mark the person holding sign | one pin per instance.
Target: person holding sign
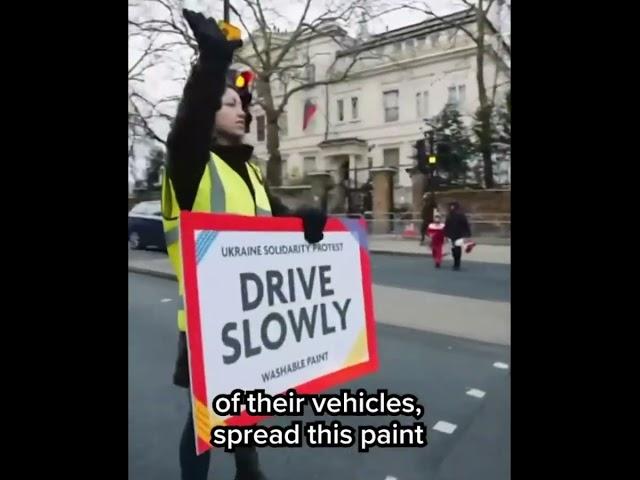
(209, 170)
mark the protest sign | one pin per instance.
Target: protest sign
(266, 310)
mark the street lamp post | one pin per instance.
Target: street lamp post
(432, 157)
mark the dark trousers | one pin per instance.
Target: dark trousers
(423, 230)
(196, 467)
(456, 252)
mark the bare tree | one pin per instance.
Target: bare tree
(272, 54)
(275, 55)
(155, 43)
(479, 36)
(502, 131)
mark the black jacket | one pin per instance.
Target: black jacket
(189, 143)
(457, 226)
(188, 151)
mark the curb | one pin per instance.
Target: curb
(153, 273)
(171, 276)
(400, 254)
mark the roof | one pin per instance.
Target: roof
(506, 46)
(426, 27)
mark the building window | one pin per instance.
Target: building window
(260, 127)
(283, 124)
(452, 96)
(462, 91)
(391, 158)
(397, 47)
(354, 108)
(309, 164)
(341, 110)
(410, 44)
(422, 105)
(285, 171)
(391, 113)
(311, 72)
(457, 95)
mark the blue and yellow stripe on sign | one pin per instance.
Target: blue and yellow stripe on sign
(203, 243)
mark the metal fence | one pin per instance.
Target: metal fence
(408, 224)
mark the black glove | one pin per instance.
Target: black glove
(213, 46)
(313, 220)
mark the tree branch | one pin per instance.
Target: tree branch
(486, 10)
(262, 19)
(426, 9)
(168, 27)
(266, 33)
(296, 34)
(259, 102)
(145, 125)
(341, 78)
(245, 61)
(154, 107)
(251, 39)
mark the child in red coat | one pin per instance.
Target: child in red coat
(435, 231)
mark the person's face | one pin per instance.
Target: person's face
(230, 119)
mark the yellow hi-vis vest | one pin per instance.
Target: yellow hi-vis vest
(221, 190)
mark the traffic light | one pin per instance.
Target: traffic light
(242, 82)
(426, 161)
(433, 159)
(244, 79)
(421, 155)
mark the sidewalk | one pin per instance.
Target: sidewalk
(158, 264)
(482, 320)
(481, 253)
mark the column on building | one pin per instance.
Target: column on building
(382, 198)
(352, 170)
(418, 187)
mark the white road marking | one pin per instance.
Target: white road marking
(474, 392)
(449, 348)
(445, 427)
(389, 477)
(503, 366)
(165, 300)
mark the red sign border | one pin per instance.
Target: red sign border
(189, 223)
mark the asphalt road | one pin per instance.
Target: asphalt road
(438, 369)
(478, 280)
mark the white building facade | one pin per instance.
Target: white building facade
(374, 118)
